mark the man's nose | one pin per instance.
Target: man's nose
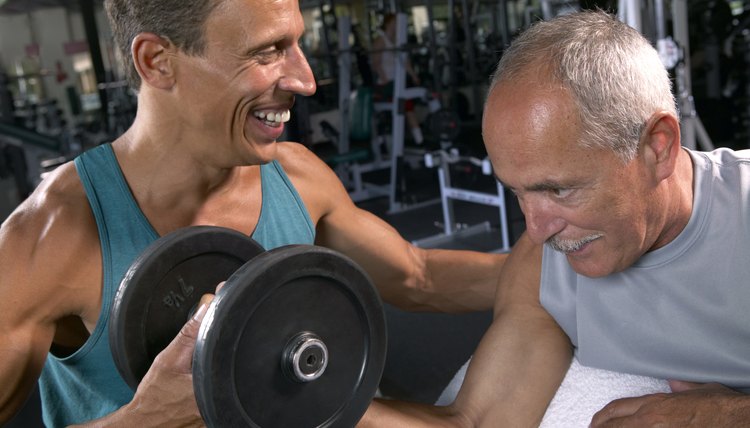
(542, 222)
(298, 77)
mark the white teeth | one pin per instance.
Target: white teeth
(273, 117)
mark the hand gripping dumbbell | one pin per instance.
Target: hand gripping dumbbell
(295, 338)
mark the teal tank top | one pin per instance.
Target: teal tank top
(681, 311)
(86, 384)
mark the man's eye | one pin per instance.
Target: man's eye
(269, 54)
(271, 51)
(561, 193)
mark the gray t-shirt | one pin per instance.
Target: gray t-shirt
(682, 311)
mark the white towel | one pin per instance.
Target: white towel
(583, 392)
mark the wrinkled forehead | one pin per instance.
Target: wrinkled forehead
(244, 23)
(533, 135)
(527, 115)
(255, 12)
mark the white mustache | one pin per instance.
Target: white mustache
(570, 246)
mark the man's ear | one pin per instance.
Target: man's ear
(153, 60)
(661, 144)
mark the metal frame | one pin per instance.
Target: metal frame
(691, 126)
(448, 194)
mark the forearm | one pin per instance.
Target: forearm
(523, 357)
(409, 277)
(124, 417)
(396, 414)
(510, 381)
(515, 371)
(144, 415)
(457, 281)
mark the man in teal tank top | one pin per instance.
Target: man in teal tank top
(216, 81)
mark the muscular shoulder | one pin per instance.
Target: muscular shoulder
(49, 245)
(319, 187)
(57, 206)
(298, 161)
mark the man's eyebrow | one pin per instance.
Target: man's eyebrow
(504, 184)
(545, 186)
(537, 187)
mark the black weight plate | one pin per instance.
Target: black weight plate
(237, 365)
(162, 287)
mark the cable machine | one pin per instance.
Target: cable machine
(674, 52)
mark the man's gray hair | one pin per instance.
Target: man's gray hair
(610, 69)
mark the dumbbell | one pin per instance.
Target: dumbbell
(296, 337)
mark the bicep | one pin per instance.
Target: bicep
(523, 356)
(25, 332)
(377, 247)
(342, 226)
(42, 281)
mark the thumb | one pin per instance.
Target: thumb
(179, 353)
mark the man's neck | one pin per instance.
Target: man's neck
(166, 177)
(680, 200)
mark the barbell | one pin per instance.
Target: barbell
(295, 338)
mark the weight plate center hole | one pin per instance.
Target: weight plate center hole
(305, 357)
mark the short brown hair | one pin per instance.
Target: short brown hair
(181, 22)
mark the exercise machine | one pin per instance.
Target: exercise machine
(672, 50)
(386, 152)
(453, 231)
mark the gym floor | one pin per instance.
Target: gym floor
(424, 349)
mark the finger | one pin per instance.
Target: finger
(684, 386)
(220, 286)
(616, 409)
(202, 308)
(681, 385)
(179, 353)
